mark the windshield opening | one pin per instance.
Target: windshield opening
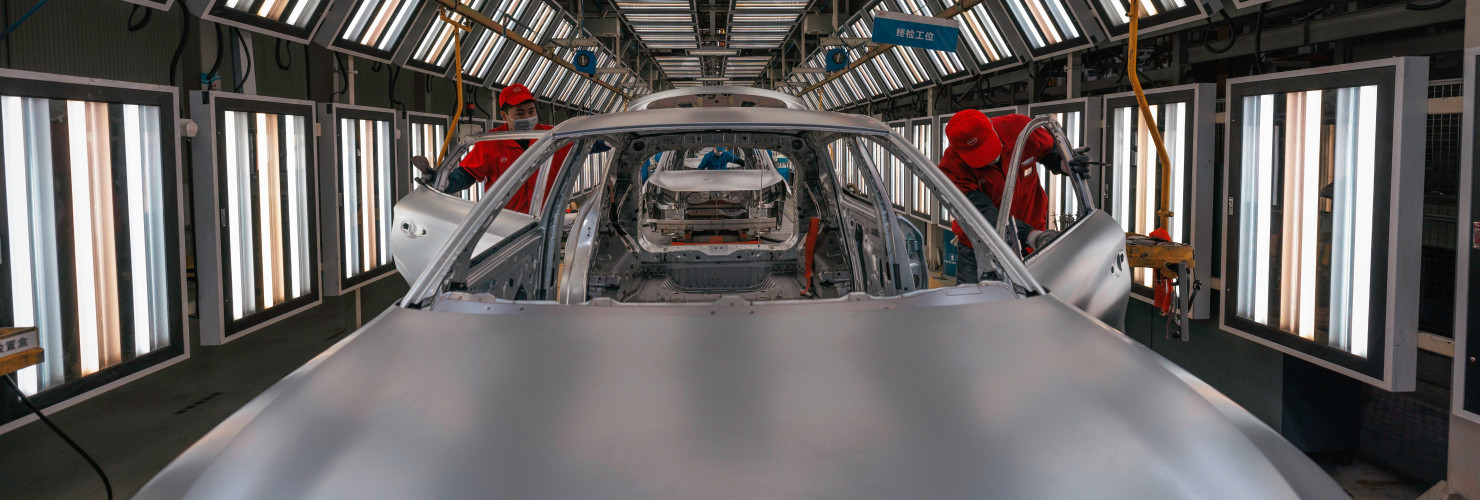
(693, 217)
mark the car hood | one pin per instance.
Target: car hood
(715, 180)
(854, 399)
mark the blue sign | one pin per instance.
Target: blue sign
(585, 62)
(925, 32)
(837, 59)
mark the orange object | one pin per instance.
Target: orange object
(1165, 287)
(809, 251)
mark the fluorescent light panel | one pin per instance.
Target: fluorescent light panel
(1043, 23)
(379, 24)
(105, 282)
(436, 46)
(1317, 155)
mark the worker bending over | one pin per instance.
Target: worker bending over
(974, 162)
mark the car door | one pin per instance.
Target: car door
(425, 217)
(1086, 265)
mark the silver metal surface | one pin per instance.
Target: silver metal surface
(953, 393)
(425, 219)
(579, 248)
(727, 119)
(715, 180)
(716, 95)
(1086, 267)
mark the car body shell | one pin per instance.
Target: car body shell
(974, 391)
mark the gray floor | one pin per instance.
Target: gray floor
(134, 431)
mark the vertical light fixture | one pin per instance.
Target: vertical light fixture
(93, 229)
(1322, 239)
(358, 163)
(257, 266)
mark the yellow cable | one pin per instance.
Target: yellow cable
(457, 51)
(1163, 213)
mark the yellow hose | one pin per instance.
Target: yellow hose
(1163, 213)
(457, 51)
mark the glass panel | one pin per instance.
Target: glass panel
(982, 36)
(1305, 233)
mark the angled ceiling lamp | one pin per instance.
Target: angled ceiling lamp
(293, 20)
(372, 29)
(1047, 27)
(1156, 15)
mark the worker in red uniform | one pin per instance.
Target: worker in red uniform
(490, 159)
(974, 162)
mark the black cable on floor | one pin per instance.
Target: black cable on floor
(107, 486)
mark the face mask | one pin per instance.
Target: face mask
(524, 124)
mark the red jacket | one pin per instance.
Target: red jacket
(490, 159)
(1029, 201)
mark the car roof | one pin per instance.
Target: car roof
(761, 119)
(696, 95)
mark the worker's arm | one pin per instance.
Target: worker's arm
(458, 179)
(984, 204)
(466, 172)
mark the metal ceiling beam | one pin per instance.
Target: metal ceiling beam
(495, 27)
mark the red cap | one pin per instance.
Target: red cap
(973, 137)
(513, 94)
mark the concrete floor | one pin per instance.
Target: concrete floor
(136, 430)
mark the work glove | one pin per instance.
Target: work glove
(1080, 163)
(1039, 239)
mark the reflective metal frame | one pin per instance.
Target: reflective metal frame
(1380, 248)
(219, 260)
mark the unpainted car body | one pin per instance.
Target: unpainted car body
(502, 374)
